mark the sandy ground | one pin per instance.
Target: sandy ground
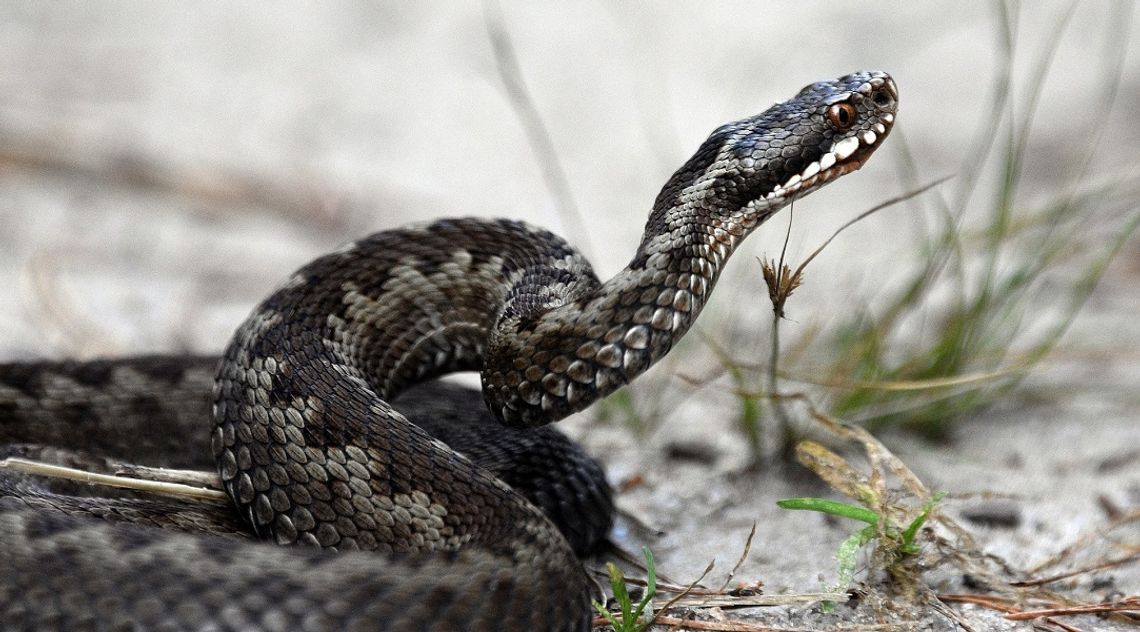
(162, 167)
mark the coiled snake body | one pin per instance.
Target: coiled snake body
(310, 450)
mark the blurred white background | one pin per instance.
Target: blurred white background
(163, 165)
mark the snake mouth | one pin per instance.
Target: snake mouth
(844, 156)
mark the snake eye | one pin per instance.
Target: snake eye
(841, 115)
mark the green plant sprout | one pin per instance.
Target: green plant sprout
(901, 539)
(628, 621)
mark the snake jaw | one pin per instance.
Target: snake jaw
(845, 156)
(878, 99)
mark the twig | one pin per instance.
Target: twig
(874, 209)
(1083, 540)
(751, 601)
(882, 460)
(1001, 605)
(744, 626)
(948, 612)
(779, 291)
(1088, 569)
(743, 556)
(672, 602)
(152, 486)
(1131, 604)
(925, 384)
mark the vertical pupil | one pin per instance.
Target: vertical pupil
(841, 115)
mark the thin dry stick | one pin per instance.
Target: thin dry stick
(1088, 569)
(782, 282)
(925, 384)
(722, 626)
(871, 211)
(743, 626)
(779, 291)
(669, 604)
(696, 600)
(506, 62)
(871, 413)
(928, 384)
(1001, 605)
(157, 487)
(193, 478)
(948, 612)
(743, 556)
(1129, 605)
(882, 459)
(693, 597)
(1091, 536)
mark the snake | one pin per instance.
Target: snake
(402, 516)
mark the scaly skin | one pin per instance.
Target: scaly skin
(311, 451)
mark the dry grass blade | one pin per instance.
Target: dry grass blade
(882, 459)
(1130, 605)
(750, 601)
(999, 604)
(678, 623)
(740, 560)
(659, 610)
(933, 383)
(537, 135)
(867, 213)
(1041, 581)
(1014, 611)
(1084, 540)
(165, 487)
(781, 282)
(835, 471)
(194, 478)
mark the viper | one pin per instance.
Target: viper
(431, 516)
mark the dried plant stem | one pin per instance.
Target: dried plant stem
(506, 62)
(165, 487)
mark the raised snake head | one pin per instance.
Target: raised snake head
(749, 169)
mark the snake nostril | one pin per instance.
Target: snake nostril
(882, 99)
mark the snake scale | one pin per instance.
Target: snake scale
(412, 526)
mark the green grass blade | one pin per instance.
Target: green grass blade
(831, 507)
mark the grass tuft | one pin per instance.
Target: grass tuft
(628, 618)
(999, 275)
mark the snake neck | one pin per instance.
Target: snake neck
(557, 358)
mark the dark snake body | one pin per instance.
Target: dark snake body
(310, 450)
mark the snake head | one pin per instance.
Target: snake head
(749, 169)
(564, 354)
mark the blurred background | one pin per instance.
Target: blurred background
(163, 166)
